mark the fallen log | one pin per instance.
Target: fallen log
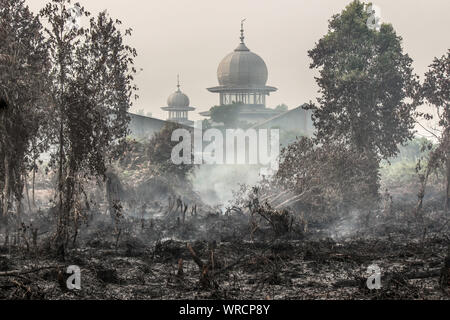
(238, 261)
(20, 273)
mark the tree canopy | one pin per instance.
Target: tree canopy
(227, 114)
(91, 92)
(366, 83)
(23, 113)
(436, 92)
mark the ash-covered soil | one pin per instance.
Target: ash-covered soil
(414, 263)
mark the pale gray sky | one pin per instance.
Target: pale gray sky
(190, 37)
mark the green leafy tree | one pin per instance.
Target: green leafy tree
(412, 151)
(436, 92)
(23, 113)
(330, 176)
(159, 153)
(228, 115)
(92, 73)
(365, 83)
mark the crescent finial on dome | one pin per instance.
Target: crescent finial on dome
(242, 30)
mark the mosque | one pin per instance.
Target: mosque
(242, 76)
(178, 107)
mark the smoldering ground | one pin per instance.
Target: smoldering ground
(167, 243)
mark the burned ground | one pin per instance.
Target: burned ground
(166, 243)
(210, 256)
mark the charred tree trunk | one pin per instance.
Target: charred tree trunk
(60, 226)
(447, 194)
(27, 192)
(33, 183)
(6, 168)
(5, 197)
(446, 154)
(6, 186)
(423, 187)
(69, 202)
(114, 194)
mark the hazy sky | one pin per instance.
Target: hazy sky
(191, 38)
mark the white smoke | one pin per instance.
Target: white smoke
(215, 183)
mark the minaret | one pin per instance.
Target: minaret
(178, 107)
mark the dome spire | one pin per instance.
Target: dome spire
(178, 82)
(242, 31)
(242, 46)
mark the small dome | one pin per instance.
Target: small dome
(242, 68)
(178, 99)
